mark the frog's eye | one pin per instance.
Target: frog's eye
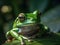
(46, 27)
(35, 12)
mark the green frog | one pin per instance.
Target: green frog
(26, 26)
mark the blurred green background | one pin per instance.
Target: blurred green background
(9, 10)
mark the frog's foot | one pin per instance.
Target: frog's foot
(22, 43)
(30, 40)
(8, 41)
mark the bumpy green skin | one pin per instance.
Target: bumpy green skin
(30, 18)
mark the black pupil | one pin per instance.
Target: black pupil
(21, 17)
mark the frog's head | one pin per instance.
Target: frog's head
(34, 15)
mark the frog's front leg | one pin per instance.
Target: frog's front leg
(17, 36)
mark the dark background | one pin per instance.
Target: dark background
(50, 10)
